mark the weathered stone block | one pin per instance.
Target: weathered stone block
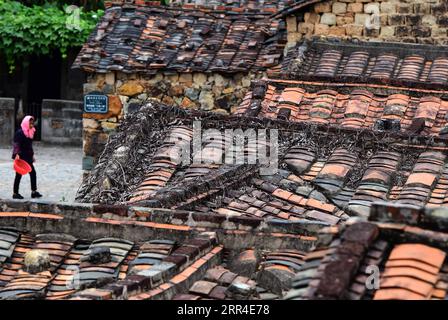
(306, 28)
(321, 29)
(322, 7)
(336, 31)
(372, 8)
(219, 80)
(293, 38)
(361, 18)
(199, 79)
(176, 90)
(186, 78)
(339, 8)
(413, 19)
(397, 19)
(355, 7)
(109, 126)
(192, 93)
(384, 19)
(131, 88)
(421, 32)
(172, 78)
(90, 124)
(429, 20)
(438, 9)
(246, 81)
(404, 8)
(168, 100)
(311, 17)
(157, 78)
(388, 7)
(354, 30)
(90, 87)
(439, 32)
(422, 8)
(206, 100)
(343, 20)
(187, 103)
(110, 78)
(115, 106)
(328, 19)
(403, 31)
(443, 21)
(291, 23)
(387, 32)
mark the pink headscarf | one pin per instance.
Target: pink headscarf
(29, 133)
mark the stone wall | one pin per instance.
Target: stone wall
(62, 121)
(210, 92)
(6, 121)
(413, 21)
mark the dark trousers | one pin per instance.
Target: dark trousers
(33, 180)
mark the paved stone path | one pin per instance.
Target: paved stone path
(59, 173)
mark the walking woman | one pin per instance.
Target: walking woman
(23, 149)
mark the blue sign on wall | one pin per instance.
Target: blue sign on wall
(96, 103)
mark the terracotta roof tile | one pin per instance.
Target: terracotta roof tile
(250, 6)
(411, 270)
(397, 294)
(202, 287)
(350, 107)
(149, 39)
(412, 263)
(345, 61)
(432, 256)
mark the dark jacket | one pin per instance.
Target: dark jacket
(23, 146)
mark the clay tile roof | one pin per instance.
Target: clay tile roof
(138, 39)
(412, 269)
(352, 106)
(410, 65)
(247, 6)
(408, 281)
(94, 264)
(322, 179)
(106, 265)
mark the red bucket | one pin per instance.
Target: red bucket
(22, 167)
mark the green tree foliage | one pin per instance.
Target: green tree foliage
(86, 4)
(42, 29)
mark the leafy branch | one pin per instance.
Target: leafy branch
(41, 29)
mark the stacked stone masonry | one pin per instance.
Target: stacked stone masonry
(126, 93)
(404, 21)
